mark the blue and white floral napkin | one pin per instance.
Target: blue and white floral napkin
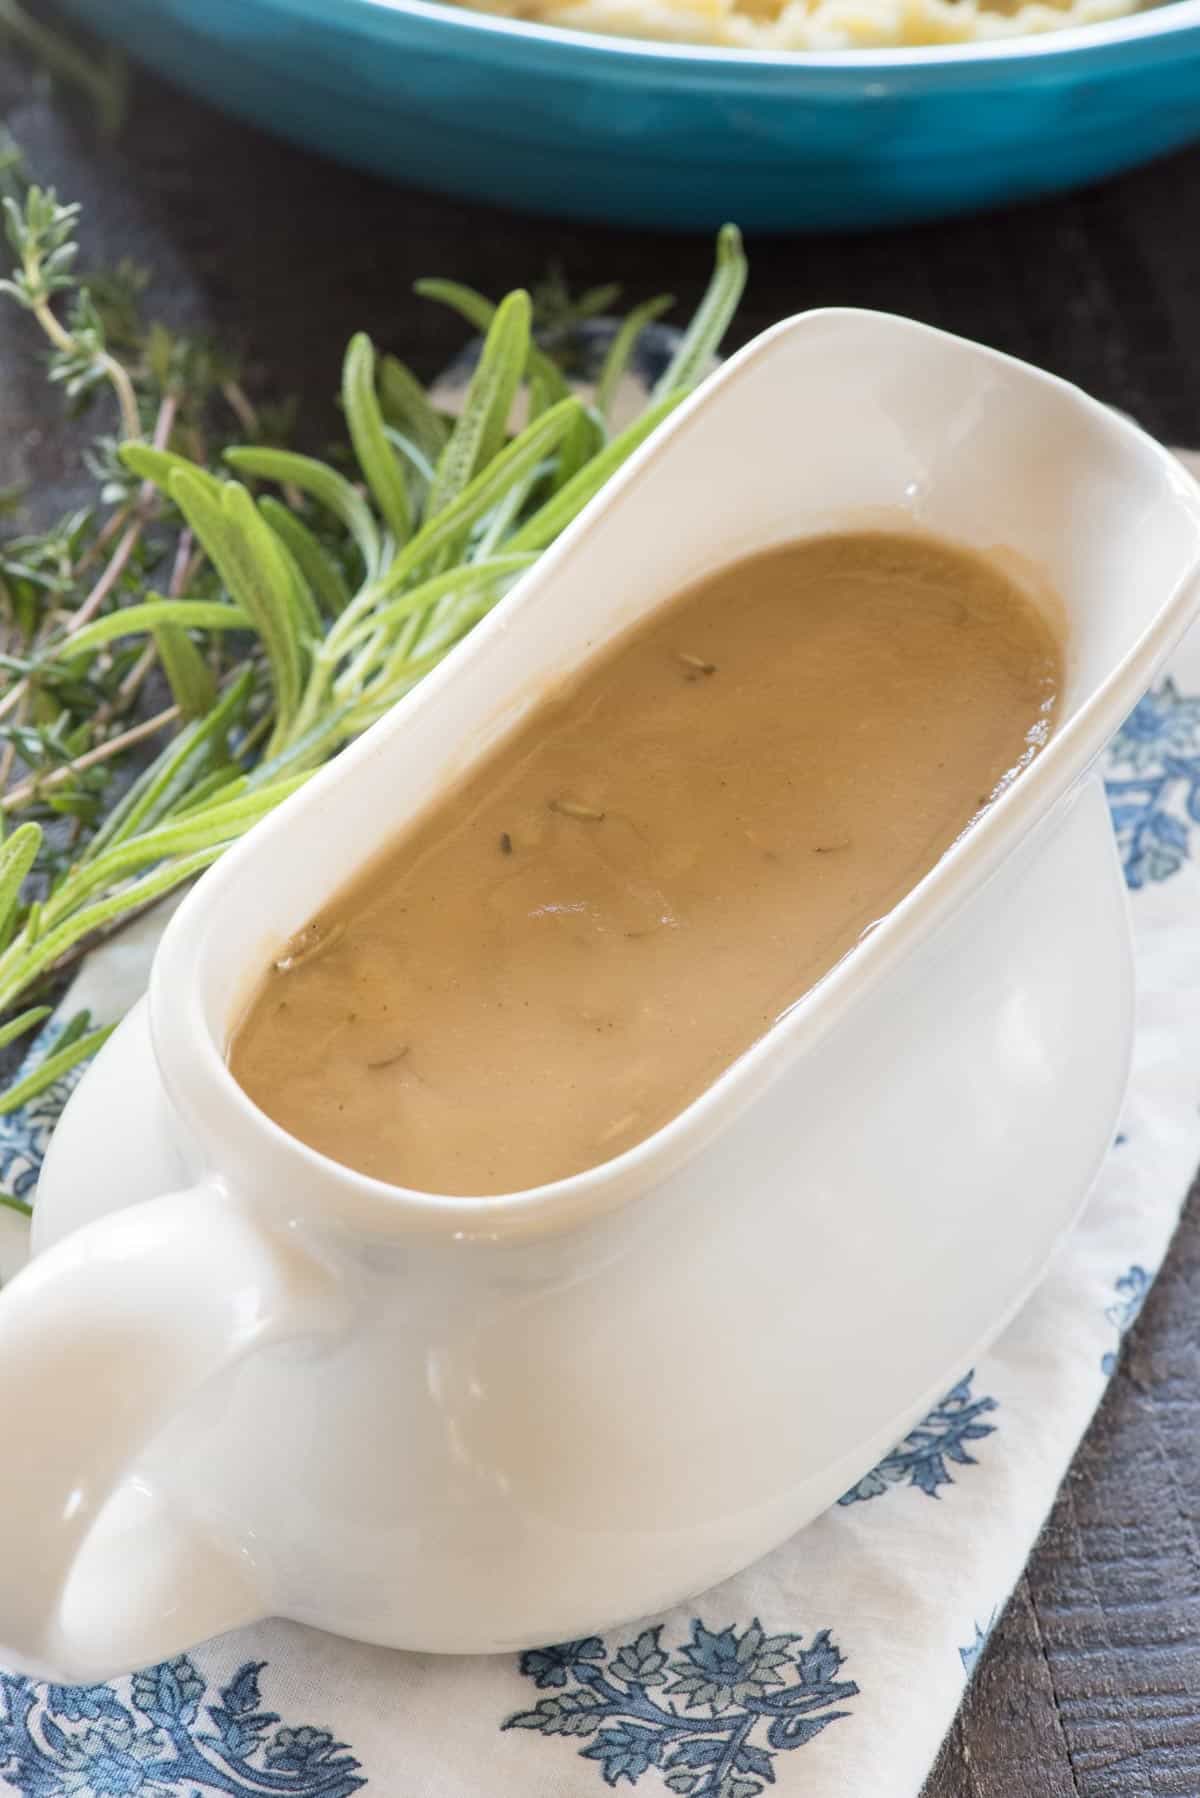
(831, 1669)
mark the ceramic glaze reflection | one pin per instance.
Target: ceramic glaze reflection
(577, 941)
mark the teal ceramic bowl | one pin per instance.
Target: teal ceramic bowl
(678, 137)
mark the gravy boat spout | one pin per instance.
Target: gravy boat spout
(480, 1423)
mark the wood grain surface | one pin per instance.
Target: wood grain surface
(1090, 1686)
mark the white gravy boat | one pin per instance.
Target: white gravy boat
(473, 1424)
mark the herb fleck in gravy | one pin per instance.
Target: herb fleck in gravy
(570, 947)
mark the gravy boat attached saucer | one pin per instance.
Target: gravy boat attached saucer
(475, 1424)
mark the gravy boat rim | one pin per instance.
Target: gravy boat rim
(195, 1072)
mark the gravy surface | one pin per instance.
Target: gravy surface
(569, 948)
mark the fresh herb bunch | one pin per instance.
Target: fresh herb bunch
(277, 605)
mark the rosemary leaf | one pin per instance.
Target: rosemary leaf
(309, 619)
(486, 490)
(174, 774)
(24, 1021)
(53, 1068)
(480, 312)
(224, 781)
(413, 454)
(326, 486)
(622, 348)
(703, 336)
(193, 686)
(482, 425)
(246, 555)
(321, 572)
(470, 576)
(217, 823)
(383, 474)
(558, 511)
(17, 856)
(406, 406)
(31, 955)
(75, 1027)
(136, 621)
(158, 465)
(583, 440)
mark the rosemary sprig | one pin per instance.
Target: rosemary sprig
(300, 602)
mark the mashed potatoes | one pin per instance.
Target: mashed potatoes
(812, 24)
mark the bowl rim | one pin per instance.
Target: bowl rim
(1167, 19)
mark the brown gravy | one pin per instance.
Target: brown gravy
(569, 948)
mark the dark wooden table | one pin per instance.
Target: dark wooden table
(1090, 1686)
